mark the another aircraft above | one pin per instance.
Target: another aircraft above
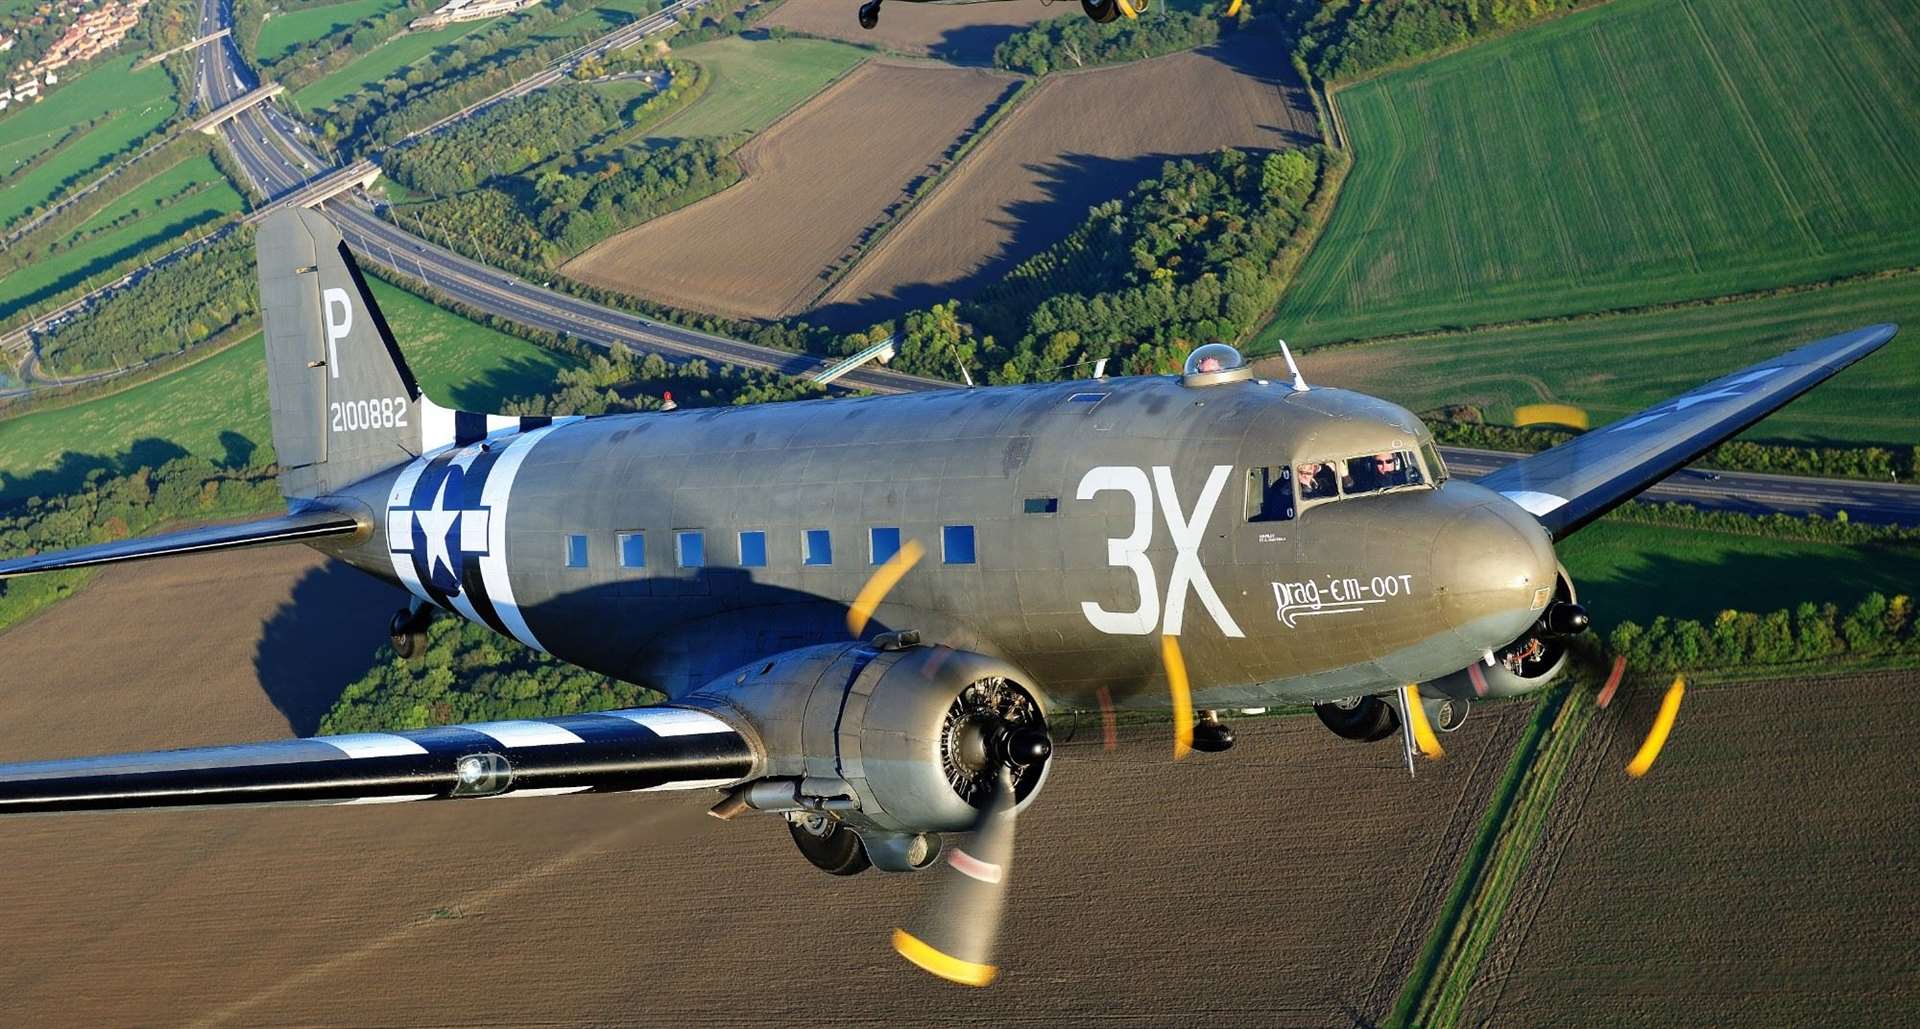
(866, 613)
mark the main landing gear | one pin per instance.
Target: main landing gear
(828, 844)
(870, 14)
(1101, 11)
(1366, 719)
(1210, 734)
(408, 630)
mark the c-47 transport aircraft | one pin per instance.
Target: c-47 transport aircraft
(1001, 556)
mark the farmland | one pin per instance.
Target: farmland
(1615, 366)
(761, 248)
(457, 362)
(170, 900)
(378, 64)
(1080, 139)
(755, 82)
(964, 34)
(84, 122)
(1760, 874)
(1552, 172)
(280, 34)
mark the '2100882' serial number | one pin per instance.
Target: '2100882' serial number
(383, 413)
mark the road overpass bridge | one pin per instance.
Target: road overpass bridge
(316, 191)
(209, 123)
(164, 54)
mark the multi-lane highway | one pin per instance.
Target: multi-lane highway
(267, 144)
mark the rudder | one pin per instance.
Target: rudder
(344, 403)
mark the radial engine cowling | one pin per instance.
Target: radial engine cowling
(1534, 660)
(902, 740)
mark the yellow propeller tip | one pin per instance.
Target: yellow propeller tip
(1233, 8)
(882, 582)
(1182, 696)
(1423, 734)
(1662, 725)
(1127, 9)
(944, 965)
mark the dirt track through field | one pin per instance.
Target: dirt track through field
(814, 184)
(1081, 139)
(960, 33)
(1262, 886)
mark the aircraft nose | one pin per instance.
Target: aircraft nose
(1495, 569)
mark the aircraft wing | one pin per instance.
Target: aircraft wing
(287, 528)
(1591, 474)
(657, 748)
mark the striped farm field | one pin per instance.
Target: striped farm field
(1642, 152)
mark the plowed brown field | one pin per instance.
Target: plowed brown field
(1083, 138)
(1271, 885)
(1762, 873)
(814, 184)
(962, 33)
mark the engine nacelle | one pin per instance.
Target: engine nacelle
(1534, 660)
(894, 738)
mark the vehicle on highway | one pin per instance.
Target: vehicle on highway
(868, 614)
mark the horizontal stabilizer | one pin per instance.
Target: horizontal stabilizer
(288, 528)
(652, 748)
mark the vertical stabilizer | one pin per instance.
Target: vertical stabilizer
(344, 404)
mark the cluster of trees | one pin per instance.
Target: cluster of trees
(1461, 427)
(111, 506)
(1876, 626)
(470, 674)
(1197, 254)
(180, 304)
(1839, 529)
(510, 137)
(535, 222)
(721, 18)
(479, 64)
(1342, 39)
(1062, 44)
(618, 382)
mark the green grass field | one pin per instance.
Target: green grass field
(757, 81)
(1644, 151)
(603, 18)
(209, 407)
(282, 33)
(378, 64)
(1615, 366)
(104, 256)
(134, 103)
(1632, 571)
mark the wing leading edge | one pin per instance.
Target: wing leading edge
(659, 748)
(1580, 480)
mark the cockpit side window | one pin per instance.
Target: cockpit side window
(1388, 469)
(1317, 481)
(1436, 468)
(1269, 493)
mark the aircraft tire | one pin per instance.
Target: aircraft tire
(1368, 721)
(837, 851)
(1100, 11)
(409, 645)
(870, 14)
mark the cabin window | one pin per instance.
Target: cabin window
(816, 547)
(882, 544)
(1381, 471)
(1269, 493)
(956, 544)
(1042, 505)
(633, 549)
(690, 548)
(576, 550)
(1436, 468)
(753, 549)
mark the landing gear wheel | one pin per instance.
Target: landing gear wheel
(408, 633)
(870, 14)
(1211, 735)
(828, 845)
(1101, 11)
(1366, 719)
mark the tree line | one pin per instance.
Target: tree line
(510, 137)
(1343, 39)
(173, 307)
(1062, 44)
(1877, 626)
(1461, 427)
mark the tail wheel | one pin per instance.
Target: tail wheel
(408, 634)
(1365, 719)
(1101, 11)
(828, 844)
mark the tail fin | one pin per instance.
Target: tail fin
(344, 404)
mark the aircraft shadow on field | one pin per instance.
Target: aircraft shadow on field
(322, 638)
(1737, 582)
(972, 44)
(69, 473)
(513, 379)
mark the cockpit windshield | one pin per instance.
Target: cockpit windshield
(1372, 473)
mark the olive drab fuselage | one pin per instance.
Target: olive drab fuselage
(1098, 516)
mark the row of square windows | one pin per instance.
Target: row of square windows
(816, 547)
